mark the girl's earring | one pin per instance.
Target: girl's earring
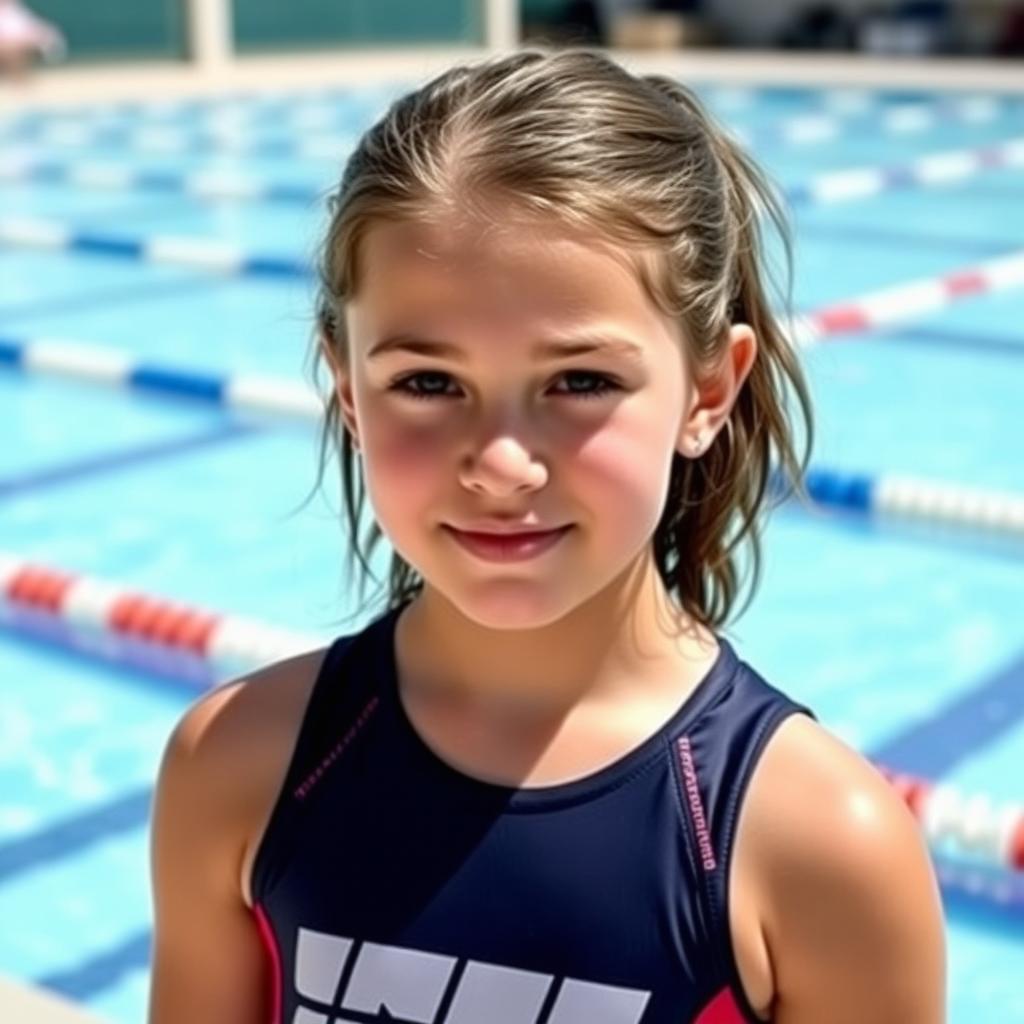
(698, 443)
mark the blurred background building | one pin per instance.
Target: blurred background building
(175, 29)
(915, 27)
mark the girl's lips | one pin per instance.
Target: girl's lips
(508, 547)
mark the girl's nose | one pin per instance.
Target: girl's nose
(503, 466)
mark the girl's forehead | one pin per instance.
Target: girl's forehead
(540, 254)
(482, 279)
(462, 233)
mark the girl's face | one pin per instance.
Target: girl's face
(481, 422)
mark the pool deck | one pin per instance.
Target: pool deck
(72, 85)
(20, 1004)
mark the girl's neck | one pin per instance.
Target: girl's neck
(629, 642)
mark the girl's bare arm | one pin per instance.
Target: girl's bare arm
(208, 965)
(854, 916)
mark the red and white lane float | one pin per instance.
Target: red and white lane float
(903, 302)
(118, 623)
(967, 826)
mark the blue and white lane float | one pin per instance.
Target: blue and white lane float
(268, 396)
(932, 170)
(204, 254)
(297, 118)
(848, 101)
(882, 497)
(303, 114)
(305, 105)
(901, 119)
(103, 619)
(897, 497)
(212, 184)
(174, 141)
(229, 135)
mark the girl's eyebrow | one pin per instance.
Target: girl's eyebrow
(550, 349)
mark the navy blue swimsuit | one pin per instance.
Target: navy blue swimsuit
(389, 886)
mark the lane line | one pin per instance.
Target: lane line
(102, 970)
(70, 835)
(947, 338)
(120, 459)
(953, 733)
(877, 234)
(57, 305)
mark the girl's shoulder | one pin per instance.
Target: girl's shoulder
(240, 737)
(824, 793)
(838, 865)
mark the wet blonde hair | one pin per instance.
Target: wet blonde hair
(573, 135)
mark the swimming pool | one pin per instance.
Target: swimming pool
(907, 643)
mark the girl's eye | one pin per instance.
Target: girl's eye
(604, 384)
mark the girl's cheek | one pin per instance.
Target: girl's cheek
(618, 477)
(623, 453)
(406, 449)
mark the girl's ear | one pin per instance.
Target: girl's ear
(717, 393)
(342, 379)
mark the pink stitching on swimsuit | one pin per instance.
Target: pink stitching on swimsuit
(707, 852)
(317, 774)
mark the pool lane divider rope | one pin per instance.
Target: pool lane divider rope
(971, 827)
(292, 118)
(270, 396)
(203, 254)
(303, 102)
(934, 502)
(935, 169)
(273, 100)
(97, 615)
(900, 119)
(177, 142)
(903, 302)
(963, 825)
(210, 184)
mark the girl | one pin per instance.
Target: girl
(541, 787)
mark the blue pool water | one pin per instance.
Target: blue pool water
(892, 635)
